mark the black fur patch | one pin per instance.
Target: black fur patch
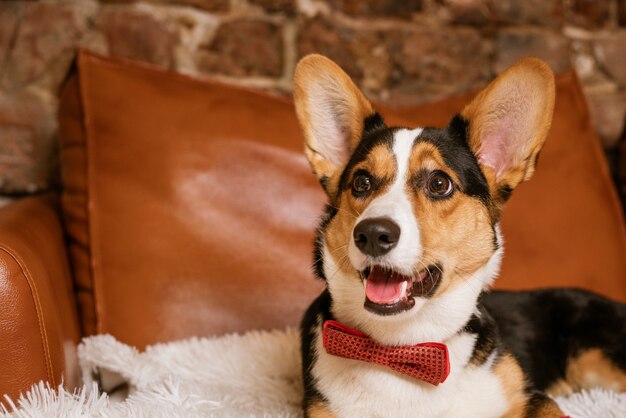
(318, 311)
(373, 123)
(453, 146)
(487, 338)
(545, 328)
(324, 182)
(318, 243)
(496, 243)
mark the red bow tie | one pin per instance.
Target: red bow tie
(427, 361)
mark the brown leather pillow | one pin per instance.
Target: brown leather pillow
(190, 207)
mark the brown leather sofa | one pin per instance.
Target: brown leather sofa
(188, 209)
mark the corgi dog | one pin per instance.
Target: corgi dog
(410, 243)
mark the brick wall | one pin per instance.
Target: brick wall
(399, 51)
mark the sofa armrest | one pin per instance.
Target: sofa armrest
(39, 327)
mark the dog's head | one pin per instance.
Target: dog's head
(413, 213)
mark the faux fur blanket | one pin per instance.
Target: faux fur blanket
(252, 375)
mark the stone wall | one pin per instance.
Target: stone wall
(399, 51)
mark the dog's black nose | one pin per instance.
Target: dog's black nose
(376, 236)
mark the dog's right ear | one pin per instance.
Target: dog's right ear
(332, 111)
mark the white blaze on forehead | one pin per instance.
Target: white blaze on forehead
(395, 204)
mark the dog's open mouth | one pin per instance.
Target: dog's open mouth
(388, 292)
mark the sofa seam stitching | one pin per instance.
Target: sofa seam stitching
(89, 209)
(35, 296)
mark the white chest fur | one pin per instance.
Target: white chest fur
(358, 389)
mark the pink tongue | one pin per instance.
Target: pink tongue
(383, 287)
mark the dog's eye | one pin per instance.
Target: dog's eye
(439, 184)
(361, 184)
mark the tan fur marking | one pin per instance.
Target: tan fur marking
(593, 369)
(455, 232)
(427, 156)
(560, 388)
(548, 409)
(319, 410)
(380, 163)
(511, 377)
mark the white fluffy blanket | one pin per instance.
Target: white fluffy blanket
(255, 374)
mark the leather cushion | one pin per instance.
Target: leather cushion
(39, 328)
(191, 208)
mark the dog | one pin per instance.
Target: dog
(408, 245)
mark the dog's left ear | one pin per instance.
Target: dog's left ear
(331, 110)
(509, 122)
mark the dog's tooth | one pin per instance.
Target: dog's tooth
(405, 286)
